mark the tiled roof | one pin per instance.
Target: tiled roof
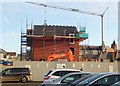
(11, 53)
(91, 48)
(90, 56)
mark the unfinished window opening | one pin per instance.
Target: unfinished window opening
(72, 41)
(71, 35)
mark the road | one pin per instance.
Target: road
(21, 84)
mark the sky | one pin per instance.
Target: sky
(13, 16)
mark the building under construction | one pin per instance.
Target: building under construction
(43, 40)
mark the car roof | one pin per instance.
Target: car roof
(108, 73)
(78, 73)
(18, 68)
(82, 79)
(99, 75)
(51, 71)
(73, 73)
(69, 74)
(64, 70)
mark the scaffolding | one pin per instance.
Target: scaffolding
(25, 50)
(23, 46)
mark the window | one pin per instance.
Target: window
(107, 80)
(16, 71)
(60, 73)
(95, 52)
(8, 72)
(20, 71)
(56, 73)
(25, 71)
(74, 77)
(72, 41)
(69, 79)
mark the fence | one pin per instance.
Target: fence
(38, 68)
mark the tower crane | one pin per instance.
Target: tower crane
(79, 11)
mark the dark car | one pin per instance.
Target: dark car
(101, 79)
(116, 84)
(16, 74)
(6, 63)
(79, 80)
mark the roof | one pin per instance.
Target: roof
(50, 30)
(90, 56)
(91, 48)
(110, 50)
(11, 53)
(3, 51)
(64, 70)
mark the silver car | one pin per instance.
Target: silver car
(101, 79)
(68, 78)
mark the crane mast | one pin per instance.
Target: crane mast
(79, 11)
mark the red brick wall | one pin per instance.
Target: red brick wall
(41, 50)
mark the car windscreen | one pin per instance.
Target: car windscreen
(88, 80)
(82, 79)
(1, 73)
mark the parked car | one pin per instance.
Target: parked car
(16, 74)
(57, 73)
(101, 79)
(74, 83)
(68, 78)
(6, 63)
(116, 84)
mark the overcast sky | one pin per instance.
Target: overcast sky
(13, 13)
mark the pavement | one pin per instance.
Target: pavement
(21, 84)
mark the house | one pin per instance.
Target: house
(11, 53)
(90, 52)
(12, 56)
(3, 54)
(94, 53)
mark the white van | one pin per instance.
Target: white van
(57, 73)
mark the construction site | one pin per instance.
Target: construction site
(45, 46)
(45, 41)
(55, 42)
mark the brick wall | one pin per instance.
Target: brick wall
(42, 49)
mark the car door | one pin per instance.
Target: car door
(7, 75)
(17, 72)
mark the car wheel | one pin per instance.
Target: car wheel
(24, 79)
